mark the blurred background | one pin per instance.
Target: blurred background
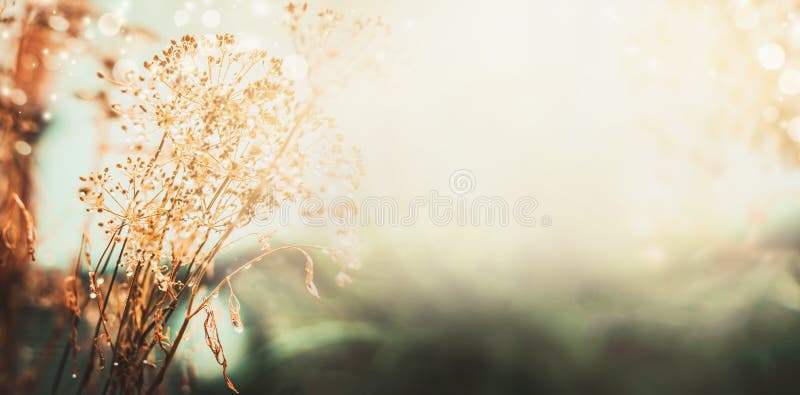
(658, 138)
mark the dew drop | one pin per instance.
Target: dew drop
(58, 23)
(92, 295)
(23, 148)
(237, 326)
(18, 97)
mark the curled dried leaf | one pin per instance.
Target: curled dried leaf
(71, 295)
(30, 230)
(233, 308)
(214, 344)
(159, 337)
(310, 286)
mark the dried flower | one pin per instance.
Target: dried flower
(218, 132)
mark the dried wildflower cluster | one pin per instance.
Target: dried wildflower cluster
(219, 135)
(227, 141)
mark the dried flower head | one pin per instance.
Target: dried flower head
(217, 133)
(219, 130)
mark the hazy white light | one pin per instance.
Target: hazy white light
(793, 128)
(295, 67)
(789, 82)
(109, 24)
(211, 18)
(770, 114)
(654, 255)
(771, 56)
(611, 13)
(746, 17)
(250, 43)
(260, 8)
(180, 18)
(793, 34)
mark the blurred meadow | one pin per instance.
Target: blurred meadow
(659, 139)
